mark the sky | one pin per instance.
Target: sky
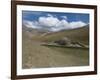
(54, 21)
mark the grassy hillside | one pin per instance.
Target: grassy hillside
(34, 55)
(79, 34)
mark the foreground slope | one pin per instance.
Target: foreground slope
(36, 56)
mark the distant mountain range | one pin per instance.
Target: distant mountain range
(77, 34)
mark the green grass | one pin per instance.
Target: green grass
(64, 46)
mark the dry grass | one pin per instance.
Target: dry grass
(35, 55)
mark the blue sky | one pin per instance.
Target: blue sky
(38, 19)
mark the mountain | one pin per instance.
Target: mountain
(35, 55)
(78, 34)
(32, 33)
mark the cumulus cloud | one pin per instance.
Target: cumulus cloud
(48, 21)
(29, 24)
(52, 23)
(77, 24)
(49, 15)
(64, 17)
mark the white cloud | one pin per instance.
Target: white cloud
(77, 24)
(53, 23)
(63, 24)
(48, 21)
(30, 24)
(49, 15)
(64, 17)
